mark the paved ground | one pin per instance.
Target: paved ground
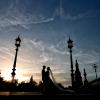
(37, 94)
(19, 93)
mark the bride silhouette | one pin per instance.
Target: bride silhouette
(49, 86)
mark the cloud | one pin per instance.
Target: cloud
(85, 15)
(6, 51)
(42, 21)
(55, 50)
(88, 57)
(60, 48)
(25, 60)
(58, 54)
(41, 48)
(25, 23)
(48, 51)
(38, 44)
(14, 16)
(60, 11)
(2, 57)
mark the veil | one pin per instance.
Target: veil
(55, 83)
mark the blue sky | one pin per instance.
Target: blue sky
(45, 26)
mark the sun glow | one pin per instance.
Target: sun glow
(21, 74)
(7, 75)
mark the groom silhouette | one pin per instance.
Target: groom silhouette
(43, 74)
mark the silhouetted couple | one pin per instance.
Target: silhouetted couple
(47, 82)
(45, 74)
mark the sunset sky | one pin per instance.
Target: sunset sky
(44, 27)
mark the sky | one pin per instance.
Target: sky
(44, 27)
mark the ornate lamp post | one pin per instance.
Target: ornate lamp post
(95, 68)
(85, 77)
(17, 44)
(70, 45)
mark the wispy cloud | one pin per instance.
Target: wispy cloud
(14, 16)
(22, 21)
(47, 50)
(57, 55)
(2, 57)
(25, 60)
(6, 51)
(61, 12)
(88, 57)
(85, 15)
(38, 44)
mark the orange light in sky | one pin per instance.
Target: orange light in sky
(7, 75)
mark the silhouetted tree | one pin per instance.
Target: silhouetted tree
(78, 78)
(32, 81)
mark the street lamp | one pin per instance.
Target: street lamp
(85, 77)
(70, 46)
(95, 68)
(17, 44)
(70, 43)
